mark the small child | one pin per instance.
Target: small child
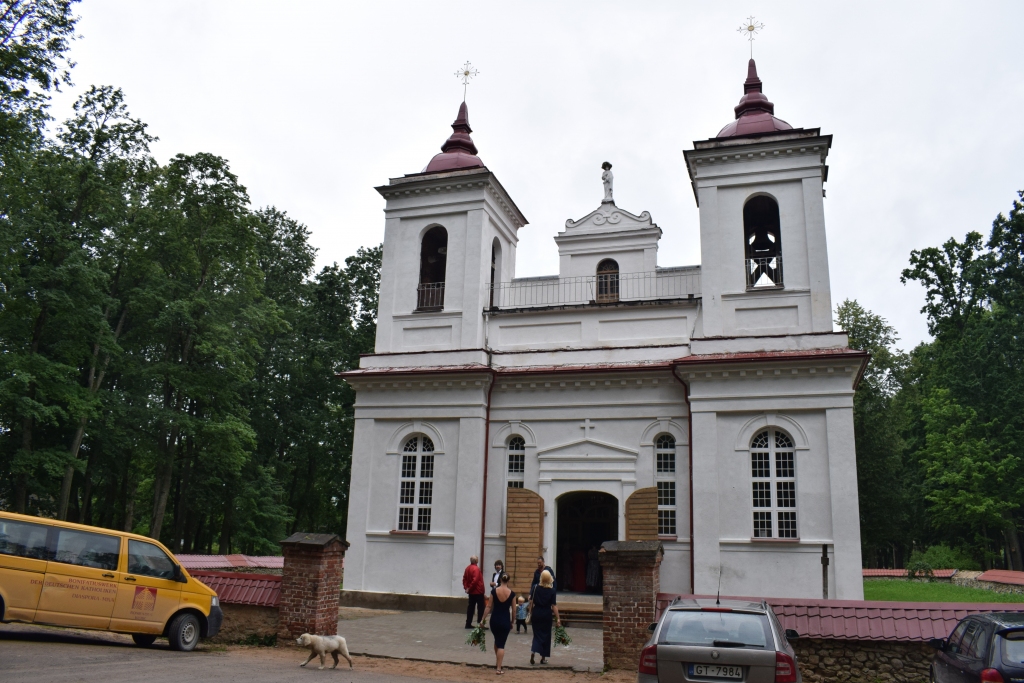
(521, 615)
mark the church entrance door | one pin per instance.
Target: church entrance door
(586, 519)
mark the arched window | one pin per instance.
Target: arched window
(495, 294)
(416, 495)
(516, 462)
(763, 242)
(665, 477)
(773, 484)
(433, 263)
(607, 281)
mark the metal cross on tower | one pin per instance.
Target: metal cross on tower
(466, 73)
(751, 27)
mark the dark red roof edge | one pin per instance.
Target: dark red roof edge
(197, 573)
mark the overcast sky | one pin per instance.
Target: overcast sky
(315, 103)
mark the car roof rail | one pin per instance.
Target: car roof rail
(764, 604)
(675, 600)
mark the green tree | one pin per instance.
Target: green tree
(883, 480)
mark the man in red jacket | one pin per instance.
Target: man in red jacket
(473, 582)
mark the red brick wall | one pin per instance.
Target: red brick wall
(631, 582)
(310, 588)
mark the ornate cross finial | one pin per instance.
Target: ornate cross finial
(750, 28)
(466, 73)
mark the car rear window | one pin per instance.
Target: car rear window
(715, 629)
(23, 539)
(1013, 647)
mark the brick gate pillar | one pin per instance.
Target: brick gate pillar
(632, 572)
(310, 585)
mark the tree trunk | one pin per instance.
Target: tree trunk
(76, 442)
(181, 509)
(129, 505)
(21, 493)
(225, 531)
(1013, 547)
(85, 513)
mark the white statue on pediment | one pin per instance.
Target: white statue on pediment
(607, 178)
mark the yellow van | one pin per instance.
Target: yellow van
(83, 576)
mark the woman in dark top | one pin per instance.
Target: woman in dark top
(542, 606)
(502, 604)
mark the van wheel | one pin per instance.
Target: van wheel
(143, 639)
(183, 633)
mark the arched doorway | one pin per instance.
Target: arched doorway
(586, 519)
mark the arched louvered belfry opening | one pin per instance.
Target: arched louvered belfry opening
(607, 281)
(433, 264)
(763, 242)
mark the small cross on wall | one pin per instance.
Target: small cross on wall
(585, 426)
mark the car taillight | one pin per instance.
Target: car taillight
(992, 675)
(649, 660)
(785, 668)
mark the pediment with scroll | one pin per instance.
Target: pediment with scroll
(609, 218)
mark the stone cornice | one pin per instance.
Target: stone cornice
(425, 185)
(759, 150)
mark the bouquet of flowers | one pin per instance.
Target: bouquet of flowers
(478, 636)
(561, 637)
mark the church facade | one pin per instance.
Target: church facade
(708, 406)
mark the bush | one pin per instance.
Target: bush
(919, 570)
(943, 557)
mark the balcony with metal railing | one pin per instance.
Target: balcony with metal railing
(764, 273)
(668, 284)
(430, 297)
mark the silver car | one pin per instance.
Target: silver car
(711, 640)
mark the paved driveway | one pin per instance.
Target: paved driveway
(33, 654)
(438, 637)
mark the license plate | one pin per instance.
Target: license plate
(716, 671)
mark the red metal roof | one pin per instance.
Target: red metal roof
(863, 620)
(902, 573)
(754, 113)
(458, 151)
(230, 561)
(263, 590)
(1003, 576)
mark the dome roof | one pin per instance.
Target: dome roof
(458, 151)
(754, 113)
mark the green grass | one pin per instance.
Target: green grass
(901, 590)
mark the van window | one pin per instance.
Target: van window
(23, 539)
(87, 550)
(145, 559)
(711, 629)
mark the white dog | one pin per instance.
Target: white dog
(321, 645)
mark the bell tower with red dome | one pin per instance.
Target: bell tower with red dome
(450, 232)
(759, 185)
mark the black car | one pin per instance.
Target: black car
(982, 647)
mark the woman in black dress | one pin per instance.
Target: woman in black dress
(542, 605)
(502, 604)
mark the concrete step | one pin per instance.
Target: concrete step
(581, 616)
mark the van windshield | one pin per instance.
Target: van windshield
(715, 629)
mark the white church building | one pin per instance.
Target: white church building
(709, 406)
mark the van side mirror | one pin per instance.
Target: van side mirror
(652, 627)
(791, 634)
(178, 575)
(937, 643)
